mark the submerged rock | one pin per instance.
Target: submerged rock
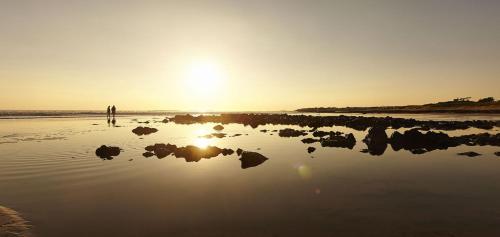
(107, 152)
(212, 135)
(144, 130)
(469, 154)
(290, 132)
(218, 127)
(251, 159)
(497, 153)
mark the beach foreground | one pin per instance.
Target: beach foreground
(251, 175)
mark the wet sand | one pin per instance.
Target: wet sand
(12, 224)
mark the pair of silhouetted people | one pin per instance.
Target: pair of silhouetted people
(111, 111)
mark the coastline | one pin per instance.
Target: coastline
(12, 224)
(406, 110)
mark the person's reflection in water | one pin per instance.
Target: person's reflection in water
(113, 122)
(108, 112)
(109, 122)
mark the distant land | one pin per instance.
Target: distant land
(459, 105)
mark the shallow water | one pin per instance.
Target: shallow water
(49, 172)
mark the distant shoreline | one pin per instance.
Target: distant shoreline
(457, 106)
(396, 111)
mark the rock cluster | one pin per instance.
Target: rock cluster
(189, 153)
(356, 122)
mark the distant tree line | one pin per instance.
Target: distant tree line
(467, 99)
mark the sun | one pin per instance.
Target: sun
(204, 77)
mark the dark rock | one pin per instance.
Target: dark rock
(320, 133)
(264, 130)
(107, 152)
(469, 154)
(218, 127)
(148, 154)
(310, 149)
(347, 141)
(309, 140)
(161, 150)
(376, 140)
(497, 153)
(413, 139)
(289, 132)
(239, 151)
(251, 159)
(144, 130)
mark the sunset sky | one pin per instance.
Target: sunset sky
(245, 55)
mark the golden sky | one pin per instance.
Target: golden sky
(245, 55)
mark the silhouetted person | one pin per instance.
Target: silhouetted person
(113, 111)
(109, 112)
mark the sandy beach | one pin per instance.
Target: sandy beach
(12, 224)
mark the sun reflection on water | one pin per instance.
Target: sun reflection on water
(200, 141)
